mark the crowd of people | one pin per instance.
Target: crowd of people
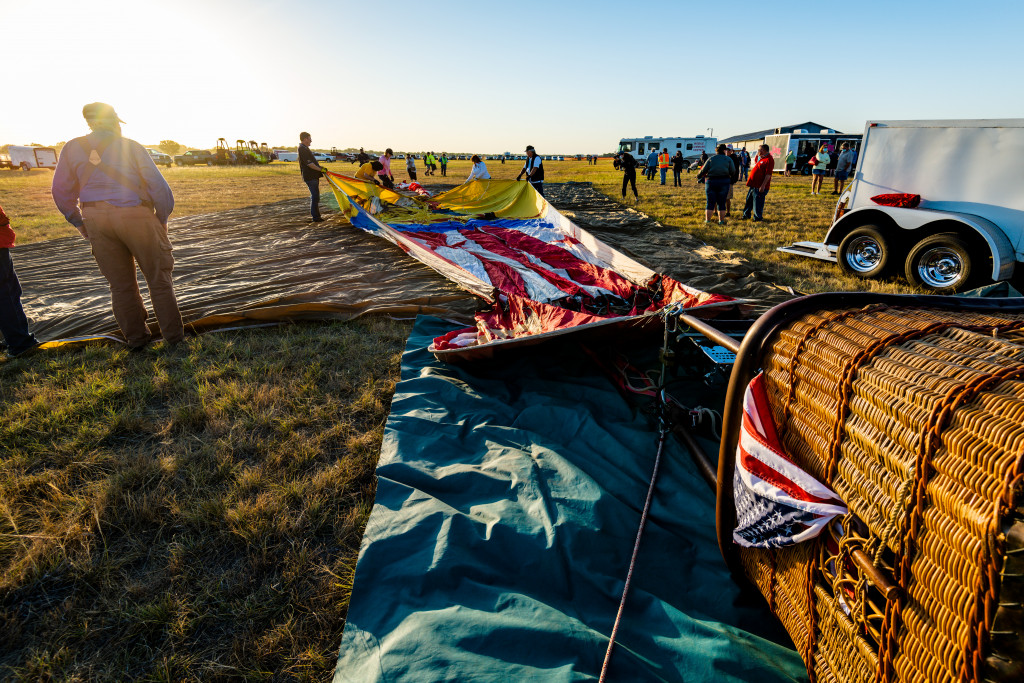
(720, 172)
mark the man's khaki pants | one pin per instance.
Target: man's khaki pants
(120, 238)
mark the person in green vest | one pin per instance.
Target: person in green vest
(444, 164)
(429, 163)
(790, 160)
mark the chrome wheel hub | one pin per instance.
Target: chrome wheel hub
(940, 267)
(864, 254)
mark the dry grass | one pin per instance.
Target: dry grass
(792, 214)
(189, 514)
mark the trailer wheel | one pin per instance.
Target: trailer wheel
(865, 253)
(25, 167)
(941, 263)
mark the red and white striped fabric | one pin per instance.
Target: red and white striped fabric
(777, 503)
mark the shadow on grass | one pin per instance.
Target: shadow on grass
(191, 513)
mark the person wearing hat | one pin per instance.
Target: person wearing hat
(13, 323)
(534, 170)
(109, 189)
(652, 164)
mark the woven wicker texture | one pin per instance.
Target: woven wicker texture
(915, 417)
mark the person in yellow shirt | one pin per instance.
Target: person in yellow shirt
(664, 161)
(368, 172)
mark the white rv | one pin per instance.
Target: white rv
(939, 201)
(690, 147)
(27, 158)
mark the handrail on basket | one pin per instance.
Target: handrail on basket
(748, 362)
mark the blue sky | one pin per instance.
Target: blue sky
(568, 77)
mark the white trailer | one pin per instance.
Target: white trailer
(691, 148)
(27, 158)
(285, 155)
(954, 214)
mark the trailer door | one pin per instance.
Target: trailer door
(778, 147)
(46, 157)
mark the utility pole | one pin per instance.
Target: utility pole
(711, 132)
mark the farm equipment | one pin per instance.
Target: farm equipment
(244, 154)
(222, 154)
(251, 153)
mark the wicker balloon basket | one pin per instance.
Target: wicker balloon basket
(914, 415)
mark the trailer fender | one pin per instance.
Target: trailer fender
(1003, 254)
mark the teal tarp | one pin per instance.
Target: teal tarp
(507, 505)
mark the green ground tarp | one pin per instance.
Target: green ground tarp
(507, 504)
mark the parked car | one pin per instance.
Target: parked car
(159, 158)
(195, 157)
(321, 157)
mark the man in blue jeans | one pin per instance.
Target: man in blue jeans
(311, 174)
(652, 164)
(759, 182)
(13, 323)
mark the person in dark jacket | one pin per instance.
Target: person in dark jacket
(312, 172)
(628, 165)
(13, 323)
(677, 170)
(719, 173)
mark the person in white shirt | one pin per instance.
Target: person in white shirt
(479, 171)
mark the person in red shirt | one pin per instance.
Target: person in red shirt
(13, 323)
(759, 181)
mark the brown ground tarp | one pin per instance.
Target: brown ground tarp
(265, 263)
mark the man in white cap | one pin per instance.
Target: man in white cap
(109, 189)
(534, 170)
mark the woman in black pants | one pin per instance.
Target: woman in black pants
(628, 165)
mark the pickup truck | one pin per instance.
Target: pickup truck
(159, 158)
(195, 157)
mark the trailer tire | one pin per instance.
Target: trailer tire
(865, 253)
(25, 167)
(941, 263)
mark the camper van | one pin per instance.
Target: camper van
(27, 158)
(690, 147)
(937, 201)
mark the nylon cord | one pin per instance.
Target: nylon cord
(663, 430)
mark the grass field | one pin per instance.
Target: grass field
(195, 514)
(792, 213)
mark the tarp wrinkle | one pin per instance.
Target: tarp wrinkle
(498, 553)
